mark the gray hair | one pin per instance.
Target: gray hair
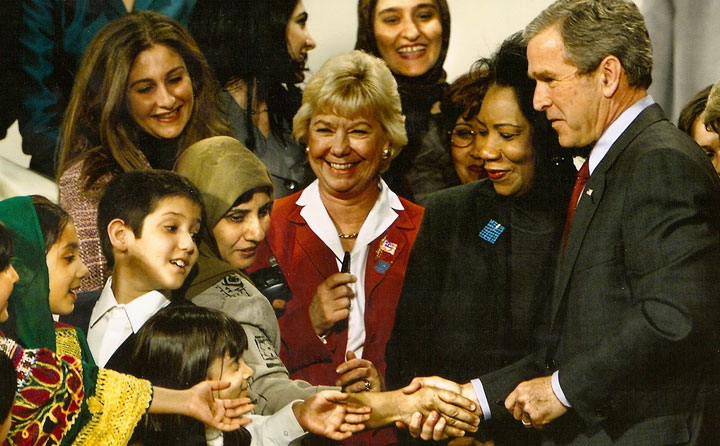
(594, 29)
(352, 84)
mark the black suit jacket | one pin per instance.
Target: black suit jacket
(636, 300)
(80, 318)
(470, 303)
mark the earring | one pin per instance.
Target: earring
(307, 149)
(386, 154)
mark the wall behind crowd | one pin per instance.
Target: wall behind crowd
(478, 26)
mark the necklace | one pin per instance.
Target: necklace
(348, 236)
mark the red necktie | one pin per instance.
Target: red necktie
(582, 179)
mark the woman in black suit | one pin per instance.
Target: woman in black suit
(482, 265)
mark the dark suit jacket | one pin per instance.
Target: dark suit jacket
(635, 307)
(470, 304)
(80, 318)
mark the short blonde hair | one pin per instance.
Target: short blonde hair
(711, 115)
(354, 84)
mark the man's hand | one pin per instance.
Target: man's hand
(331, 303)
(224, 414)
(356, 372)
(328, 414)
(534, 403)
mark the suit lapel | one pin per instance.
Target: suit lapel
(321, 257)
(591, 198)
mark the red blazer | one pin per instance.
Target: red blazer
(306, 262)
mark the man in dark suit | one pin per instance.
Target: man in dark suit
(635, 306)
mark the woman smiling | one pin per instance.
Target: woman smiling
(143, 93)
(412, 37)
(343, 242)
(478, 275)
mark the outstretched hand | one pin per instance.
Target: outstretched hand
(356, 372)
(200, 403)
(327, 413)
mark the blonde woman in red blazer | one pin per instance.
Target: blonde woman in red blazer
(352, 124)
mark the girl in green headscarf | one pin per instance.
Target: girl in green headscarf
(63, 398)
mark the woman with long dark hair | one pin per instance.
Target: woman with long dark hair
(258, 51)
(143, 93)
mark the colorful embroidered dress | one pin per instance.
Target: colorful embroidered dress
(63, 398)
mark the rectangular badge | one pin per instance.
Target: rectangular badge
(491, 231)
(382, 266)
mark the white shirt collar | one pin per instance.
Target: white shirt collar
(381, 216)
(138, 311)
(613, 132)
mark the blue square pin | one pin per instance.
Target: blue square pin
(382, 266)
(491, 231)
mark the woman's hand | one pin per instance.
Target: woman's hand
(331, 303)
(359, 375)
(328, 414)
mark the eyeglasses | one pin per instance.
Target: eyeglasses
(462, 136)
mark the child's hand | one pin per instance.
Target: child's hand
(223, 414)
(327, 414)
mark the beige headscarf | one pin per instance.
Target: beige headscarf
(222, 168)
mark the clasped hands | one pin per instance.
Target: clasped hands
(532, 402)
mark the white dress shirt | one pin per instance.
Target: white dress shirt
(381, 216)
(112, 323)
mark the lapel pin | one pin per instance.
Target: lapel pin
(589, 192)
(491, 231)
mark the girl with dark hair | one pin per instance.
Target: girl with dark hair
(412, 37)
(62, 395)
(195, 343)
(258, 51)
(143, 93)
(483, 305)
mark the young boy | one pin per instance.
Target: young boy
(148, 223)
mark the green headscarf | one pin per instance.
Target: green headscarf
(30, 322)
(222, 168)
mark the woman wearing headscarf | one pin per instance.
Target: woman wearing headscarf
(238, 192)
(413, 38)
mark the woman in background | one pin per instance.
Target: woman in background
(258, 50)
(690, 122)
(460, 106)
(143, 93)
(412, 37)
